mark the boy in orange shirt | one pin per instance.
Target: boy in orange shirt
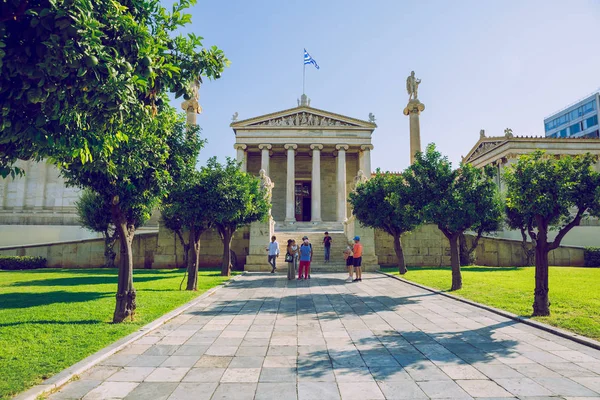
(357, 258)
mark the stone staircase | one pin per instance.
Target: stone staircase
(336, 261)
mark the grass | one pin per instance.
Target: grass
(53, 318)
(574, 292)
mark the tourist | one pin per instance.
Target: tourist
(273, 250)
(305, 258)
(327, 244)
(357, 258)
(290, 257)
(295, 250)
(349, 261)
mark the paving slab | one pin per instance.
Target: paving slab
(265, 338)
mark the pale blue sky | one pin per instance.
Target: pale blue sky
(484, 65)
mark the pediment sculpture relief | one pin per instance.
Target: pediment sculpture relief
(302, 119)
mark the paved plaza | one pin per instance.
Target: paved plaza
(262, 337)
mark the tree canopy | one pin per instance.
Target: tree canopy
(545, 193)
(73, 73)
(455, 200)
(387, 202)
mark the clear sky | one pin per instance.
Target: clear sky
(483, 64)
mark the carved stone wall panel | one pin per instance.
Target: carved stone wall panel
(302, 119)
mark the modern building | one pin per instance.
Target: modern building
(578, 120)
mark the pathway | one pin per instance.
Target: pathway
(262, 338)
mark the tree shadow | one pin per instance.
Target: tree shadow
(29, 299)
(55, 322)
(390, 353)
(464, 268)
(84, 280)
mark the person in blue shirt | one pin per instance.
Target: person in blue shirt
(305, 259)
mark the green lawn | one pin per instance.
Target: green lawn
(574, 292)
(52, 318)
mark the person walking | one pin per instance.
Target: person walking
(273, 250)
(290, 257)
(349, 261)
(305, 258)
(357, 258)
(327, 244)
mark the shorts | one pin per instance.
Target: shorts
(357, 261)
(349, 262)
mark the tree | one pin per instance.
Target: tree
(490, 220)
(455, 200)
(386, 202)
(550, 192)
(133, 179)
(514, 220)
(239, 201)
(73, 72)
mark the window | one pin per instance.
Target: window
(575, 128)
(591, 121)
(589, 107)
(562, 133)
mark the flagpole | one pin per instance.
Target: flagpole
(303, 77)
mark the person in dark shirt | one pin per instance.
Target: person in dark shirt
(327, 244)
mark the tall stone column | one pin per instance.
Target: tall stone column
(241, 156)
(316, 183)
(264, 159)
(341, 182)
(290, 183)
(366, 160)
(413, 110)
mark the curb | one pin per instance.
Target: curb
(67, 374)
(545, 327)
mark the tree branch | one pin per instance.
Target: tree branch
(565, 229)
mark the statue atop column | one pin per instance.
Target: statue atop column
(412, 86)
(266, 184)
(192, 105)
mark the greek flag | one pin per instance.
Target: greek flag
(309, 60)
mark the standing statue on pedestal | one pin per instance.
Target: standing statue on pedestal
(360, 178)
(412, 86)
(266, 184)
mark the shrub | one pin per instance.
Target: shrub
(591, 257)
(11, 263)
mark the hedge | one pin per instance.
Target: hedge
(11, 263)
(591, 257)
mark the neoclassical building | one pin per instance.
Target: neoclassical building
(313, 158)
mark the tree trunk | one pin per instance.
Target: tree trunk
(465, 257)
(226, 236)
(194, 261)
(109, 252)
(399, 254)
(126, 294)
(455, 262)
(186, 247)
(541, 303)
(527, 252)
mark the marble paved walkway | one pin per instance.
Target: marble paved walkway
(264, 338)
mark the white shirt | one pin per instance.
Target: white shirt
(274, 248)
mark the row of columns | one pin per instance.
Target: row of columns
(364, 165)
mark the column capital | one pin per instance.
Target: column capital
(342, 147)
(316, 147)
(366, 147)
(265, 146)
(240, 146)
(290, 146)
(414, 107)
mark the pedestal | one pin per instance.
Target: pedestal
(260, 236)
(353, 228)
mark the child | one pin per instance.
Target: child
(349, 261)
(357, 258)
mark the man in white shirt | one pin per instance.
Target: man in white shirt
(273, 250)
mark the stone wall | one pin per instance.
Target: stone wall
(86, 253)
(427, 246)
(169, 252)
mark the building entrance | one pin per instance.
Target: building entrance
(302, 201)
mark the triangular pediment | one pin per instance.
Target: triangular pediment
(482, 147)
(302, 118)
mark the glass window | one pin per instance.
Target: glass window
(573, 114)
(591, 121)
(575, 128)
(563, 133)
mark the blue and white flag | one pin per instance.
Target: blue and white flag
(309, 60)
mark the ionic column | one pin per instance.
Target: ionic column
(413, 110)
(316, 183)
(264, 160)
(341, 182)
(241, 156)
(290, 183)
(366, 159)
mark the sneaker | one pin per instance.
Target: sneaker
(349, 279)
(356, 280)
(360, 279)
(309, 277)
(272, 271)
